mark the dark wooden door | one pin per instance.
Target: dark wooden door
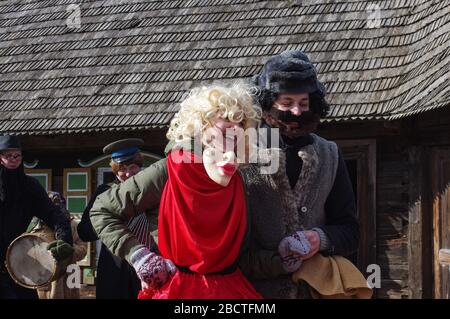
(441, 221)
(360, 156)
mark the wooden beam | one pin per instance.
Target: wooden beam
(444, 256)
(435, 187)
(153, 140)
(358, 130)
(415, 279)
(427, 224)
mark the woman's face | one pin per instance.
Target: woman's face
(219, 154)
(126, 171)
(11, 159)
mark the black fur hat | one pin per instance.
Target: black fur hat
(290, 72)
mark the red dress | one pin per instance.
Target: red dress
(201, 227)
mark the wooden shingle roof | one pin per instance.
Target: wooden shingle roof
(129, 63)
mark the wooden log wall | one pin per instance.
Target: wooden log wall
(392, 217)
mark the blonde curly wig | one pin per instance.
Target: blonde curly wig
(234, 102)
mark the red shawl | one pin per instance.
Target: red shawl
(201, 223)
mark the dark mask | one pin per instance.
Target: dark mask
(307, 122)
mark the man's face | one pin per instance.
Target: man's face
(11, 159)
(292, 115)
(296, 103)
(126, 171)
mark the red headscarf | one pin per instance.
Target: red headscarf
(201, 223)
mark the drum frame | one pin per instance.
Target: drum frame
(45, 235)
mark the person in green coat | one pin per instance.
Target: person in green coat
(207, 114)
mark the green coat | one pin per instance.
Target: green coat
(142, 192)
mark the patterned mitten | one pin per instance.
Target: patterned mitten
(294, 244)
(152, 268)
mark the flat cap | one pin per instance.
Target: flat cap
(123, 150)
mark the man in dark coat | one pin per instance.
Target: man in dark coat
(307, 206)
(116, 279)
(21, 198)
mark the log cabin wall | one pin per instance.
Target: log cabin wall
(434, 139)
(391, 198)
(392, 216)
(405, 173)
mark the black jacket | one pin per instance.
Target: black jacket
(16, 212)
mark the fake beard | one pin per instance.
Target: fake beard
(291, 125)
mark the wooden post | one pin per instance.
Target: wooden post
(415, 280)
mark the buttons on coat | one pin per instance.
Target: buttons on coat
(304, 209)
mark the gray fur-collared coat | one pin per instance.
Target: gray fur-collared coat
(277, 211)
